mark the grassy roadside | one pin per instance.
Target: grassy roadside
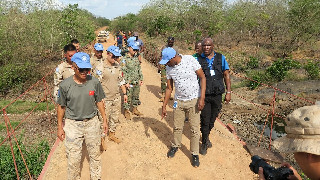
(20, 107)
(35, 153)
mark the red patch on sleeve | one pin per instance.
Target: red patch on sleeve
(91, 93)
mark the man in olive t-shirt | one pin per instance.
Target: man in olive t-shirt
(79, 97)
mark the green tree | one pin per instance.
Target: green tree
(304, 18)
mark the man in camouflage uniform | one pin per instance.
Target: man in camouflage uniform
(162, 68)
(79, 98)
(97, 59)
(64, 70)
(132, 74)
(111, 79)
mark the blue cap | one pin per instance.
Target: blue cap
(167, 54)
(131, 39)
(98, 47)
(134, 45)
(114, 50)
(82, 60)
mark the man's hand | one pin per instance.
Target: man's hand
(200, 104)
(125, 98)
(227, 98)
(140, 83)
(164, 112)
(260, 173)
(105, 127)
(61, 134)
(295, 175)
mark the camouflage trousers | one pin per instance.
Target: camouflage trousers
(163, 80)
(133, 97)
(113, 108)
(76, 132)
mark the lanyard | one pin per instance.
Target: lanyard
(210, 61)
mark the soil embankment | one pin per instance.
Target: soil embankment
(145, 142)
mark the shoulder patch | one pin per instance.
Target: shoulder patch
(98, 72)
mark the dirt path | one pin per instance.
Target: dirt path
(142, 154)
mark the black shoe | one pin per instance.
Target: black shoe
(195, 161)
(203, 149)
(209, 144)
(139, 102)
(186, 120)
(172, 152)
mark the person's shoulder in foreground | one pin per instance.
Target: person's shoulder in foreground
(303, 139)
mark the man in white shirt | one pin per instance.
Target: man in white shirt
(184, 71)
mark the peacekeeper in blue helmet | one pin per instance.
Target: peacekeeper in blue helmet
(139, 43)
(97, 58)
(133, 77)
(79, 98)
(110, 75)
(64, 69)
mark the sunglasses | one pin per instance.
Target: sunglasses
(81, 70)
(114, 57)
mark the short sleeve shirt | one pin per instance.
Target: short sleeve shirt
(225, 65)
(185, 78)
(80, 99)
(140, 42)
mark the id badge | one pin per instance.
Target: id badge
(212, 72)
(175, 104)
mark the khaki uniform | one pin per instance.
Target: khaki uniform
(96, 62)
(133, 75)
(63, 71)
(111, 80)
(76, 132)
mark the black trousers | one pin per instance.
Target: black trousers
(212, 107)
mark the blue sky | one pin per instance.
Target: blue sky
(110, 8)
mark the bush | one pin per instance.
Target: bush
(253, 62)
(312, 69)
(32, 31)
(35, 157)
(258, 76)
(279, 69)
(15, 75)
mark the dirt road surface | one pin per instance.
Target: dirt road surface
(146, 140)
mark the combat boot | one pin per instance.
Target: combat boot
(127, 114)
(112, 137)
(136, 112)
